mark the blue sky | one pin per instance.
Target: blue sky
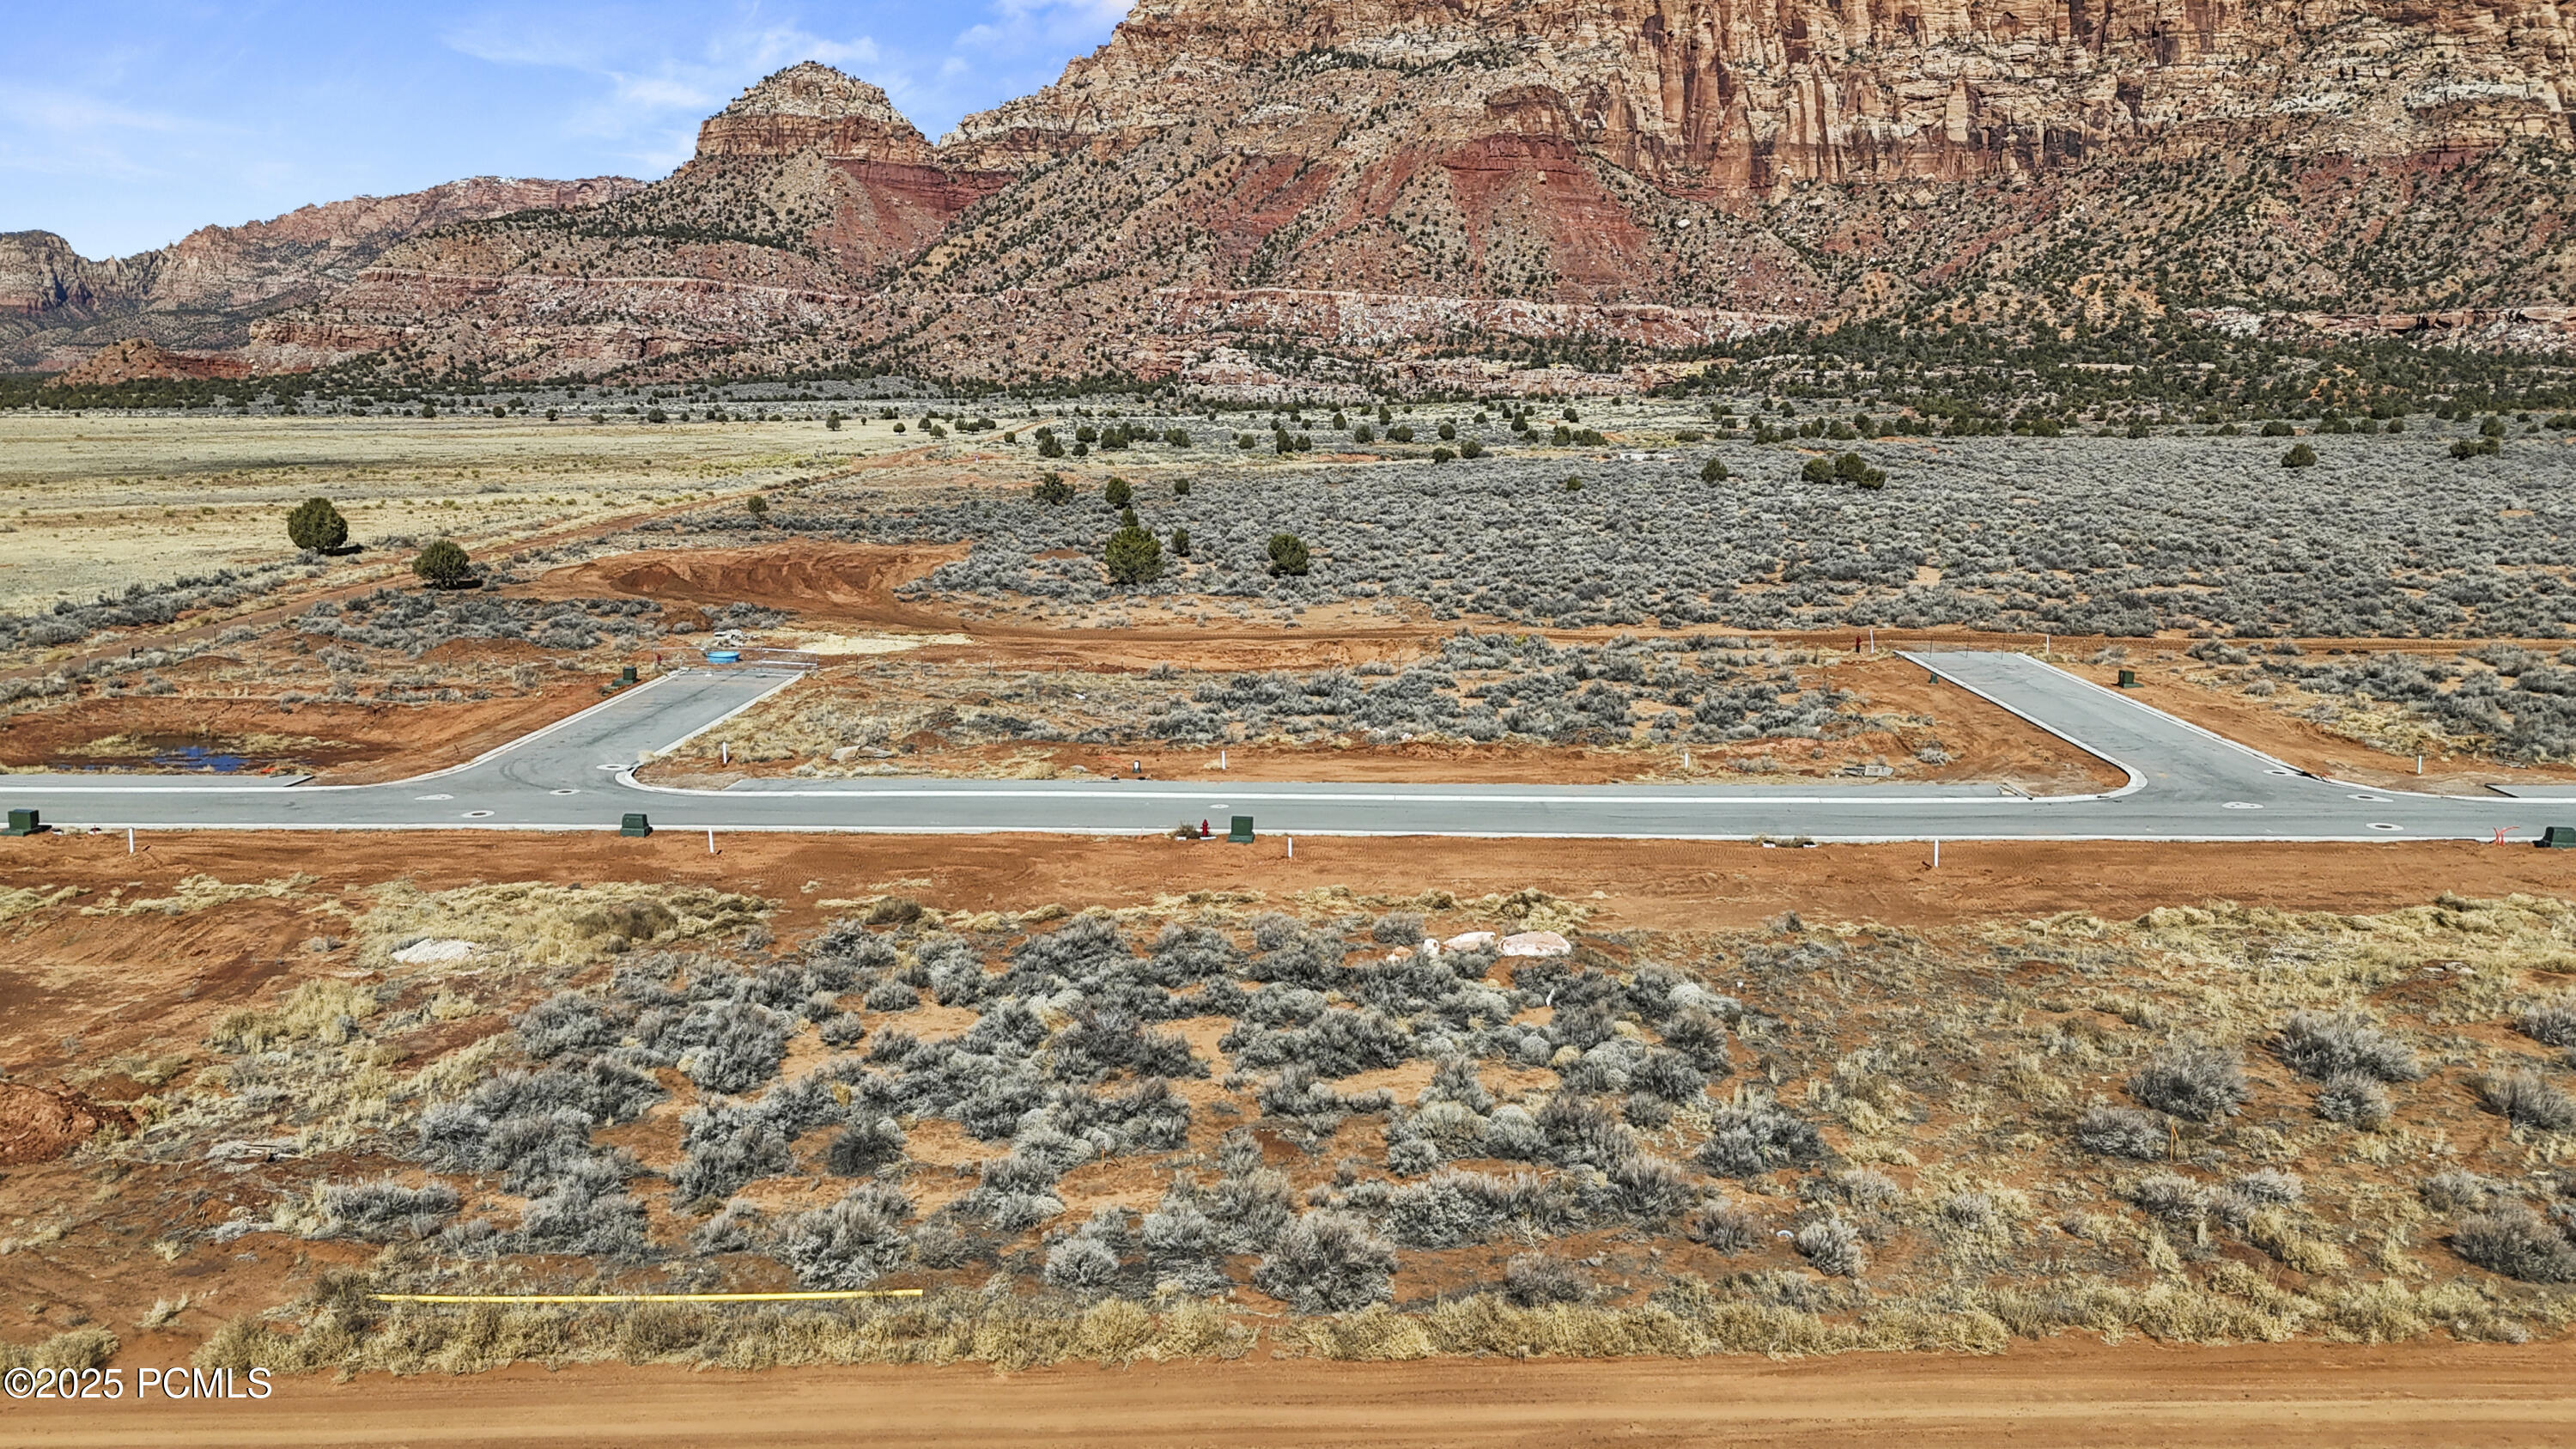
(149, 118)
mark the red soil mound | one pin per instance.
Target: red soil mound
(823, 584)
(40, 1126)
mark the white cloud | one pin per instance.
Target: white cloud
(646, 85)
(64, 133)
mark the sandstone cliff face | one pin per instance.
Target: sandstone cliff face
(1386, 179)
(1712, 94)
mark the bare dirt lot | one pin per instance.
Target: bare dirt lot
(120, 968)
(2044, 1396)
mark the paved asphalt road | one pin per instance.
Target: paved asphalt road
(2184, 784)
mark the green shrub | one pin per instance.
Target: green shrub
(1852, 468)
(1442, 455)
(1180, 543)
(758, 505)
(2279, 429)
(1133, 556)
(317, 524)
(2299, 456)
(1713, 471)
(444, 565)
(1052, 489)
(1117, 492)
(1288, 554)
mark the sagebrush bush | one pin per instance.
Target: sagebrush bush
(387, 1211)
(850, 1244)
(2551, 1021)
(2169, 1196)
(864, 1146)
(2122, 1132)
(2319, 1045)
(1327, 1262)
(1182, 1245)
(1533, 1280)
(2517, 1242)
(587, 1219)
(1834, 1246)
(2354, 1098)
(725, 1146)
(2527, 1101)
(1725, 1227)
(1087, 1260)
(2196, 1083)
(1756, 1135)
(1398, 928)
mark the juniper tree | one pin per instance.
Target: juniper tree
(317, 524)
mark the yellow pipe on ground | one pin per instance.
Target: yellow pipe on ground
(641, 1297)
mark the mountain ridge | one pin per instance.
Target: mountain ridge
(1451, 187)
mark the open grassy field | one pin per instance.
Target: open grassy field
(97, 502)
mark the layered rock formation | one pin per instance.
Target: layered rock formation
(138, 359)
(1367, 184)
(813, 107)
(204, 290)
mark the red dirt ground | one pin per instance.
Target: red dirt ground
(2045, 1396)
(39, 1126)
(357, 743)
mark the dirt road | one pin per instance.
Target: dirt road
(2051, 1394)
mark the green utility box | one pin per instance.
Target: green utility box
(2556, 837)
(626, 675)
(2128, 679)
(1241, 834)
(23, 822)
(634, 825)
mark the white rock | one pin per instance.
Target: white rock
(1471, 941)
(435, 953)
(1536, 943)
